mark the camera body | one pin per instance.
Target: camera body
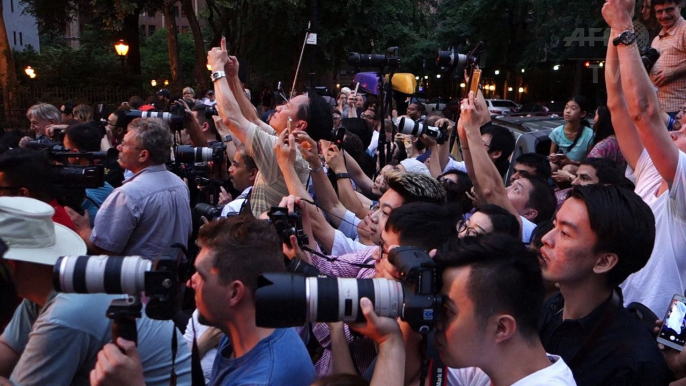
(417, 129)
(162, 280)
(390, 59)
(286, 300)
(89, 176)
(208, 211)
(288, 224)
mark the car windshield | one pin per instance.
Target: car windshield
(504, 104)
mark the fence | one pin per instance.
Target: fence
(15, 117)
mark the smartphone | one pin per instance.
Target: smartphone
(673, 332)
(474, 81)
(288, 126)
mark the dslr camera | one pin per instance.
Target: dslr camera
(453, 60)
(162, 280)
(175, 119)
(287, 300)
(390, 59)
(417, 129)
(288, 224)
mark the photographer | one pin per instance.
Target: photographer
(311, 114)
(85, 137)
(235, 251)
(151, 210)
(54, 338)
(41, 116)
(242, 173)
(28, 173)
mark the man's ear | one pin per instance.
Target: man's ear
(205, 127)
(495, 154)
(530, 214)
(253, 174)
(24, 192)
(505, 327)
(236, 292)
(605, 262)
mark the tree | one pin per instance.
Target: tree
(8, 77)
(200, 53)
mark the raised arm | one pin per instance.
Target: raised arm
(486, 177)
(346, 193)
(363, 182)
(227, 105)
(625, 129)
(643, 105)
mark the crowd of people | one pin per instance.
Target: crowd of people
(536, 269)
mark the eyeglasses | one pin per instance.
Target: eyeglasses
(124, 144)
(366, 116)
(462, 226)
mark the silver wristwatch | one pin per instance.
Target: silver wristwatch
(217, 75)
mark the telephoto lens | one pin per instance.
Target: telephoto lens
(287, 300)
(189, 154)
(417, 129)
(101, 274)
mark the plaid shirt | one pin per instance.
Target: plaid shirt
(671, 43)
(361, 349)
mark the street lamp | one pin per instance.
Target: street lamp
(166, 82)
(497, 72)
(209, 67)
(521, 89)
(122, 49)
(556, 67)
(153, 83)
(30, 72)
(438, 76)
(462, 85)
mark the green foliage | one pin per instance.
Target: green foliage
(155, 56)
(95, 64)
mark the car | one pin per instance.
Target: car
(501, 106)
(436, 105)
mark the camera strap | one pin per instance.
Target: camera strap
(197, 376)
(175, 346)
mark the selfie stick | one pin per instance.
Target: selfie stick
(297, 70)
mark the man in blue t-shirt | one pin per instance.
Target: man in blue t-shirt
(235, 251)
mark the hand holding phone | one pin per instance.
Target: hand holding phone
(474, 83)
(673, 332)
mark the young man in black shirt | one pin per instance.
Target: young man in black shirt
(601, 235)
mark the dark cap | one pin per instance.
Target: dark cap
(164, 92)
(211, 92)
(67, 108)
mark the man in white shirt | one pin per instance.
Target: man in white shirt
(242, 172)
(493, 293)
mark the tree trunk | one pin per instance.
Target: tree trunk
(173, 46)
(132, 38)
(8, 77)
(200, 53)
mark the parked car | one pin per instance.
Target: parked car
(436, 105)
(501, 106)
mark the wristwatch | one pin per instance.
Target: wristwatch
(227, 138)
(217, 75)
(626, 37)
(342, 175)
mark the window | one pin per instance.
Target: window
(12, 5)
(175, 11)
(184, 30)
(183, 14)
(15, 37)
(142, 30)
(151, 30)
(21, 39)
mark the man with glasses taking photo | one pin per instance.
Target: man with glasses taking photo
(151, 210)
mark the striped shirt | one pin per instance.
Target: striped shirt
(671, 44)
(270, 186)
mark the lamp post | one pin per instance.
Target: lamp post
(30, 72)
(122, 49)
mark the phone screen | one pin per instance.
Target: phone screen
(474, 81)
(673, 332)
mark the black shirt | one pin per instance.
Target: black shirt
(621, 352)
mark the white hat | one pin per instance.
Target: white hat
(411, 165)
(27, 228)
